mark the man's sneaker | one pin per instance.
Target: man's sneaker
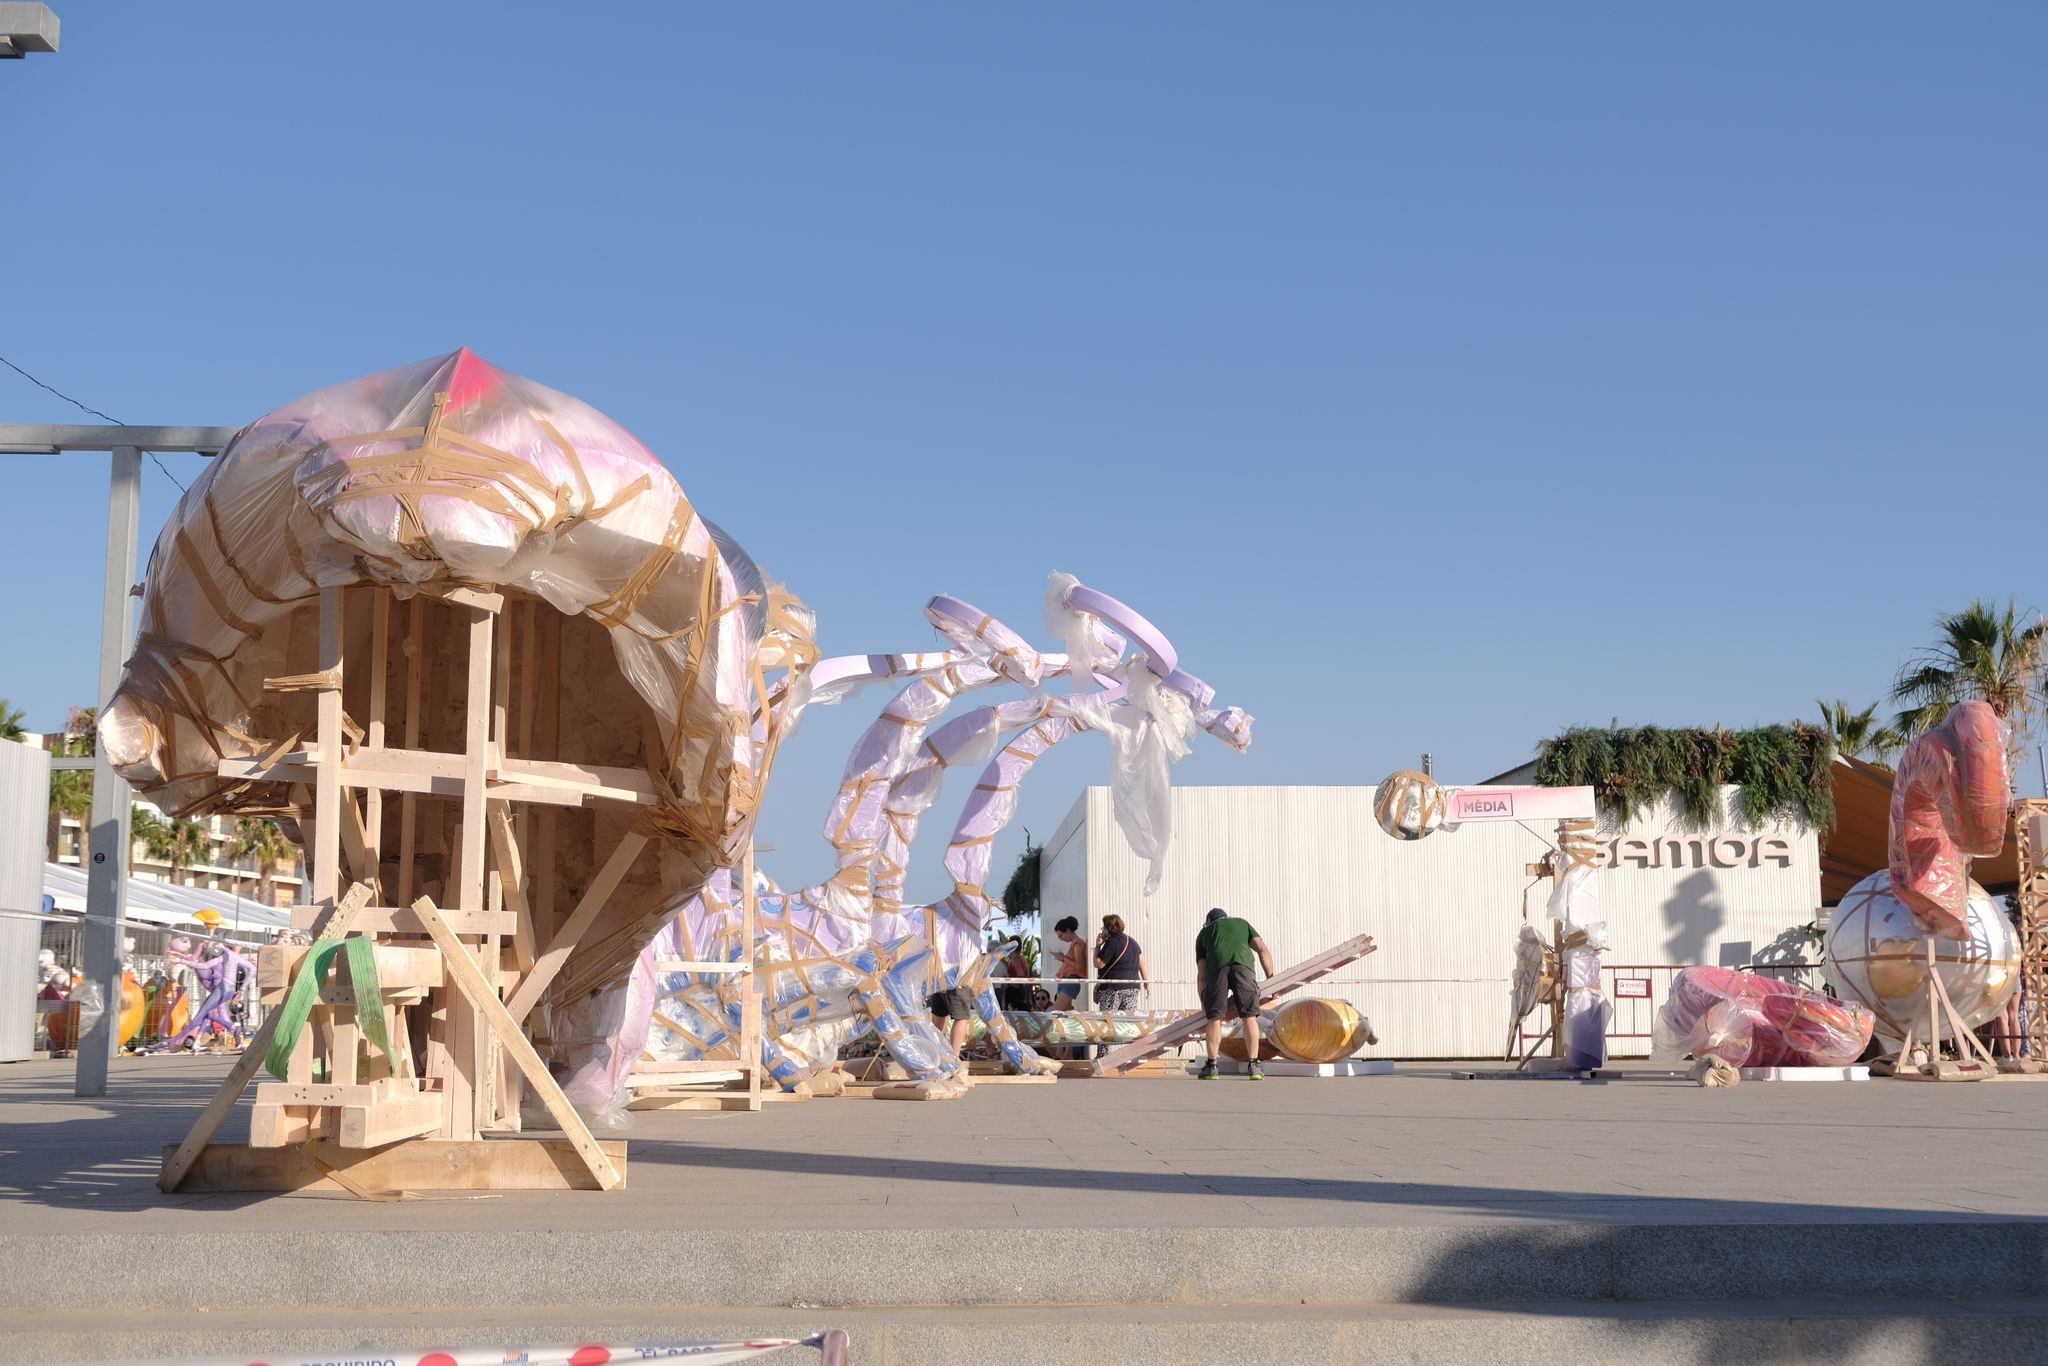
(1255, 1072)
(1208, 1071)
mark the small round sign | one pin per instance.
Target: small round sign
(1408, 805)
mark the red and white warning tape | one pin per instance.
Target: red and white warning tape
(831, 1345)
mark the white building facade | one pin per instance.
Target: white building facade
(1310, 867)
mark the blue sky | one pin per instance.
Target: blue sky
(1438, 377)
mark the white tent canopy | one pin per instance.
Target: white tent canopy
(161, 903)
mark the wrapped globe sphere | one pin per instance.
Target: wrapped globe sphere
(1309, 1029)
(1876, 953)
(1315, 1029)
(1409, 805)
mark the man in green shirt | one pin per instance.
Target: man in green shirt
(1223, 965)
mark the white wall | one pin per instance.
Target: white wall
(24, 818)
(1310, 867)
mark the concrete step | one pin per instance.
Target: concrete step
(469, 1270)
(1992, 1332)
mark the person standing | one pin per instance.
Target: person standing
(1073, 964)
(1224, 959)
(1120, 971)
(956, 1007)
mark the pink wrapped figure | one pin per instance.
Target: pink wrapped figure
(1949, 804)
(1749, 1020)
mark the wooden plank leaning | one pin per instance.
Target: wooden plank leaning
(468, 978)
(594, 897)
(1279, 984)
(334, 926)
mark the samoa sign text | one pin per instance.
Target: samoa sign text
(1697, 851)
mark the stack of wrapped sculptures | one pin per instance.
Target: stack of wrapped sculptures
(1749, 1020)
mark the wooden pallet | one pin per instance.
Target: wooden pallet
(417, 1164)
(1274, 987)
(1083, 1069)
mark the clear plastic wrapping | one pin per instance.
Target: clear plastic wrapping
(1750, 1020)
(1949, 804)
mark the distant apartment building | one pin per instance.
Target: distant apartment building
(211, 870)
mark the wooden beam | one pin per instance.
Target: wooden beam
(477, 599)
(386, 1121)
(473, 1030)
(408, 805)
(273, 1126)
(373, 737)
(178, 1161)
(594, 897)
(361, 1093)
(355, 841)
(512, 880)
(469, 980)
(327, 777)
(399, 966)
(402, 920)
(653, 1067)
(493, 1164)
(707, 1100)
(550, 722)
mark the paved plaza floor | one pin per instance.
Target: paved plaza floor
(1418, 1147)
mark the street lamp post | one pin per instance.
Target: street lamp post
(106, 882)
(26, 28)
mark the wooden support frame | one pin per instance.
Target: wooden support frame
(178, 1161)
(2030, 822)
(1973, 1061)
(469, 980)
(464, 742)
(416, 1164)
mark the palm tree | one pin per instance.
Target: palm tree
(71, 790)
(1857, 733)
(146, 829)
(71, 797)
(82, 730)
(179, 843)
(1980, 653)
(11, 718)
(267, 843)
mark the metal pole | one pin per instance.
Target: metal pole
(106, 882)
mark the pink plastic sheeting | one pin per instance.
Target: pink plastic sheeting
(1949, 804)
(1749, 1020)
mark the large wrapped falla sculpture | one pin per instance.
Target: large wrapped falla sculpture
(1920, 943)
(469, 638)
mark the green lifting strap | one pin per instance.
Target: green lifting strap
(361, 957)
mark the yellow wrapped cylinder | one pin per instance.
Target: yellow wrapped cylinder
(1233, 1047)
(1316, 1029)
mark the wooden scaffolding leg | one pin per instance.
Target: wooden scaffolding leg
(327, 777)
(469, 982)
(408, 804)
(373, 738)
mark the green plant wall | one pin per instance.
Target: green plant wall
(1782, 771)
